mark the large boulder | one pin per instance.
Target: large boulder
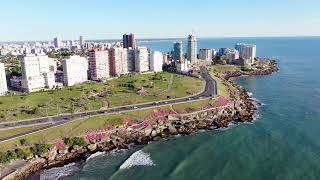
(92, 147)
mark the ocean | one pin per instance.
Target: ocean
(282, 143)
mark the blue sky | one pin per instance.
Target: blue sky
(108, 19)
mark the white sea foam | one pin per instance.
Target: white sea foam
(59, 172)
(138, 158)
(95, 155)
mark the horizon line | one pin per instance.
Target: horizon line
(171, 38)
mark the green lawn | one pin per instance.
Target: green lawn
(92, 96)
(10, 132)
(194, 106)
(215, 70)
(222, 68)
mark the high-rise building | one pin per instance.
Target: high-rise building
(37, 72)
(247, 51)
(98, 64)
(81, 41)
(118, 61)
(56, 42)
(129, 41)
(192, 49)
(156, 61)
(131, 59)
(177, 51)
(141, 59)
(3, 80)
(75, 70)
(232, 55)
(205, 54)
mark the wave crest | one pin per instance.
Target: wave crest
(138, 158)
(59, 172)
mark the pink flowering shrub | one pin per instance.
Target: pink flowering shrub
(222, 101)
(95, 135)
(59, 145)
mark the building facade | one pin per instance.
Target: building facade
(98, 65)
(81, 42)
(56, 42)
(3, 80)
(183, 66)
(156, 61)
(177, 51)
(141, 59)
(205, 54)
(192, 49)
(75, 70)
(38, 72)
(129, 41)
(118, 61)
(131, 59)
(247, 52)
(232, 55)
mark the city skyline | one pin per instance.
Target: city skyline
(41, 21)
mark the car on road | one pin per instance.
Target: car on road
(135, 107)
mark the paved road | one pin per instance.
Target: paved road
(210, 91)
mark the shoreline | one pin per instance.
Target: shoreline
(241, 108)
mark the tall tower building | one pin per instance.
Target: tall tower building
(141, 59)
(192, 49)
(130, 59)
(75, 70)
(98, 64)
(129, 41)
(118, 61)
(3, 80)
(177, 51)
(56, 42)
(156, 61)
(81, 41)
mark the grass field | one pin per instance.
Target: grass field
(124, 90)
(10, 132)
(80, 127)
(217, 69)
(222, 68)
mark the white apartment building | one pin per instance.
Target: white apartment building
(98, 64)
(231, 55)
(183, 66)
(3, 80)
(118, 61)
(75, 70)
(156, 61)
(142, 59)
(205, 54)
(38, 72)
(247, 52)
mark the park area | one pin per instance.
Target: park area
(125, 90)
(96, 126)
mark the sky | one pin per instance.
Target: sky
(23, 20)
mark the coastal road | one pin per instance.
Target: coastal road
(210, 91)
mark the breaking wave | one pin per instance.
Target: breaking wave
(95, 155)
(59, 172)
(138, 158)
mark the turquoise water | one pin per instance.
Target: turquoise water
(283, 143)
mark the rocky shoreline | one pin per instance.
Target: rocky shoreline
(240, 109)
